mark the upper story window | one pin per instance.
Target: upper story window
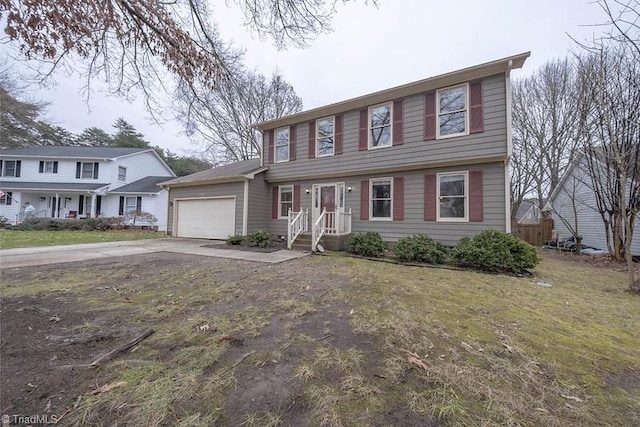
(282, 144)
(380, 126)
(87, 170)
(453, 190)
(48, 166)
(325, 136)
(285, 200)
(10, 168)
(122, 173)
(452, 109)
(381, 198)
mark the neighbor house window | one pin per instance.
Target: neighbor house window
(325, 136)
(87, 205)
(87, 170)
(380, 126)
(5, 198)
(48, 167)
(381, 198)
(122, 173)
(130, 204)
(282, 145)
(452, 111)
(453, 192)
(285, 200)
(9, 168)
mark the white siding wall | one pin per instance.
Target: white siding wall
(138, 166)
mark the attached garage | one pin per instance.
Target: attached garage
(211, 218)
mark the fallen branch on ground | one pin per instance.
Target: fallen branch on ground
(105, 388)
(146, 334)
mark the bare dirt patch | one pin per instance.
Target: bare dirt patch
(321, 340)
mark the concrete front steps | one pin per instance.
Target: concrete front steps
(328, 241)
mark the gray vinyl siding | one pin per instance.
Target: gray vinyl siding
(259, 204)
(494, 215)
(212, 190)
(578, 187)
(415, 152)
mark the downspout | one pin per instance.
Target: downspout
(245, 207)
(507, 180)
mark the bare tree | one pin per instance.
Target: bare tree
(224, 117)
(545, 130)
(131, 44)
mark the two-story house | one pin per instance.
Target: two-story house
(81, 182)
(429, 157)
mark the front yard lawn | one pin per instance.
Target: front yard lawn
(321, 340)
(28, 238)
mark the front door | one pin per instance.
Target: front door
(328, 198)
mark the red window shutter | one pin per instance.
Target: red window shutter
(398, 198)
(430, 116)
(296, 198)
(398, 113)
(292, 142)
(364, 199)
(271, 145)
(475, 107)
(430, 197)
(337, 148)
(312, 139)
(274, 203)
(475, 196)
(363, 142)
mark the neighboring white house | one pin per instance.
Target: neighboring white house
(528, 212)
(576, 190)
(82, 182)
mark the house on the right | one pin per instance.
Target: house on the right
(574, 208)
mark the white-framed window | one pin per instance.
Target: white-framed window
(380, 126)
(130, 204)
(285, 200)
(87, 205)
(453, 196)
(6, 198)
(49, 167)
(282, 144)
(453, 111)
(87, 171)
(9, 168)
(325, 136)
(122, 173)
(381, 198)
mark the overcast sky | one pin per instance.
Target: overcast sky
(370, 49)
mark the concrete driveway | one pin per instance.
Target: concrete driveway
(23, 257)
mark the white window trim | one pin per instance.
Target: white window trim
(44, 166)
(125, 174)
(371, 182)
(466, 197)
(370, 147)
(275, 145)
(4, 168)
(280, 187)
(135, 205)
(466, 110)
(93, 168)
(333, 137)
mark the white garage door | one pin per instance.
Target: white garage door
(206, 218)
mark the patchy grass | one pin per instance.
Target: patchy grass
(28, 238)
(339, 341)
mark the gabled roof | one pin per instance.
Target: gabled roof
(73, 152)
(524, 207)
(50, 186)
(149, 184)
(432, 83)
(228, 173)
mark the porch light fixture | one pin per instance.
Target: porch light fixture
(349, 189)
(306, 190)
(42, 199)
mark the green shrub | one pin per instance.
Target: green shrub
(493, 250)
(235, 239)
(421, 248)
(261, 239)
(368, 244)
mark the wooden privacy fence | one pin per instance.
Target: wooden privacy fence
(535, 234)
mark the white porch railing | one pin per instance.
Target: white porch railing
(297, 223)
(21, 216)
(331, 223)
